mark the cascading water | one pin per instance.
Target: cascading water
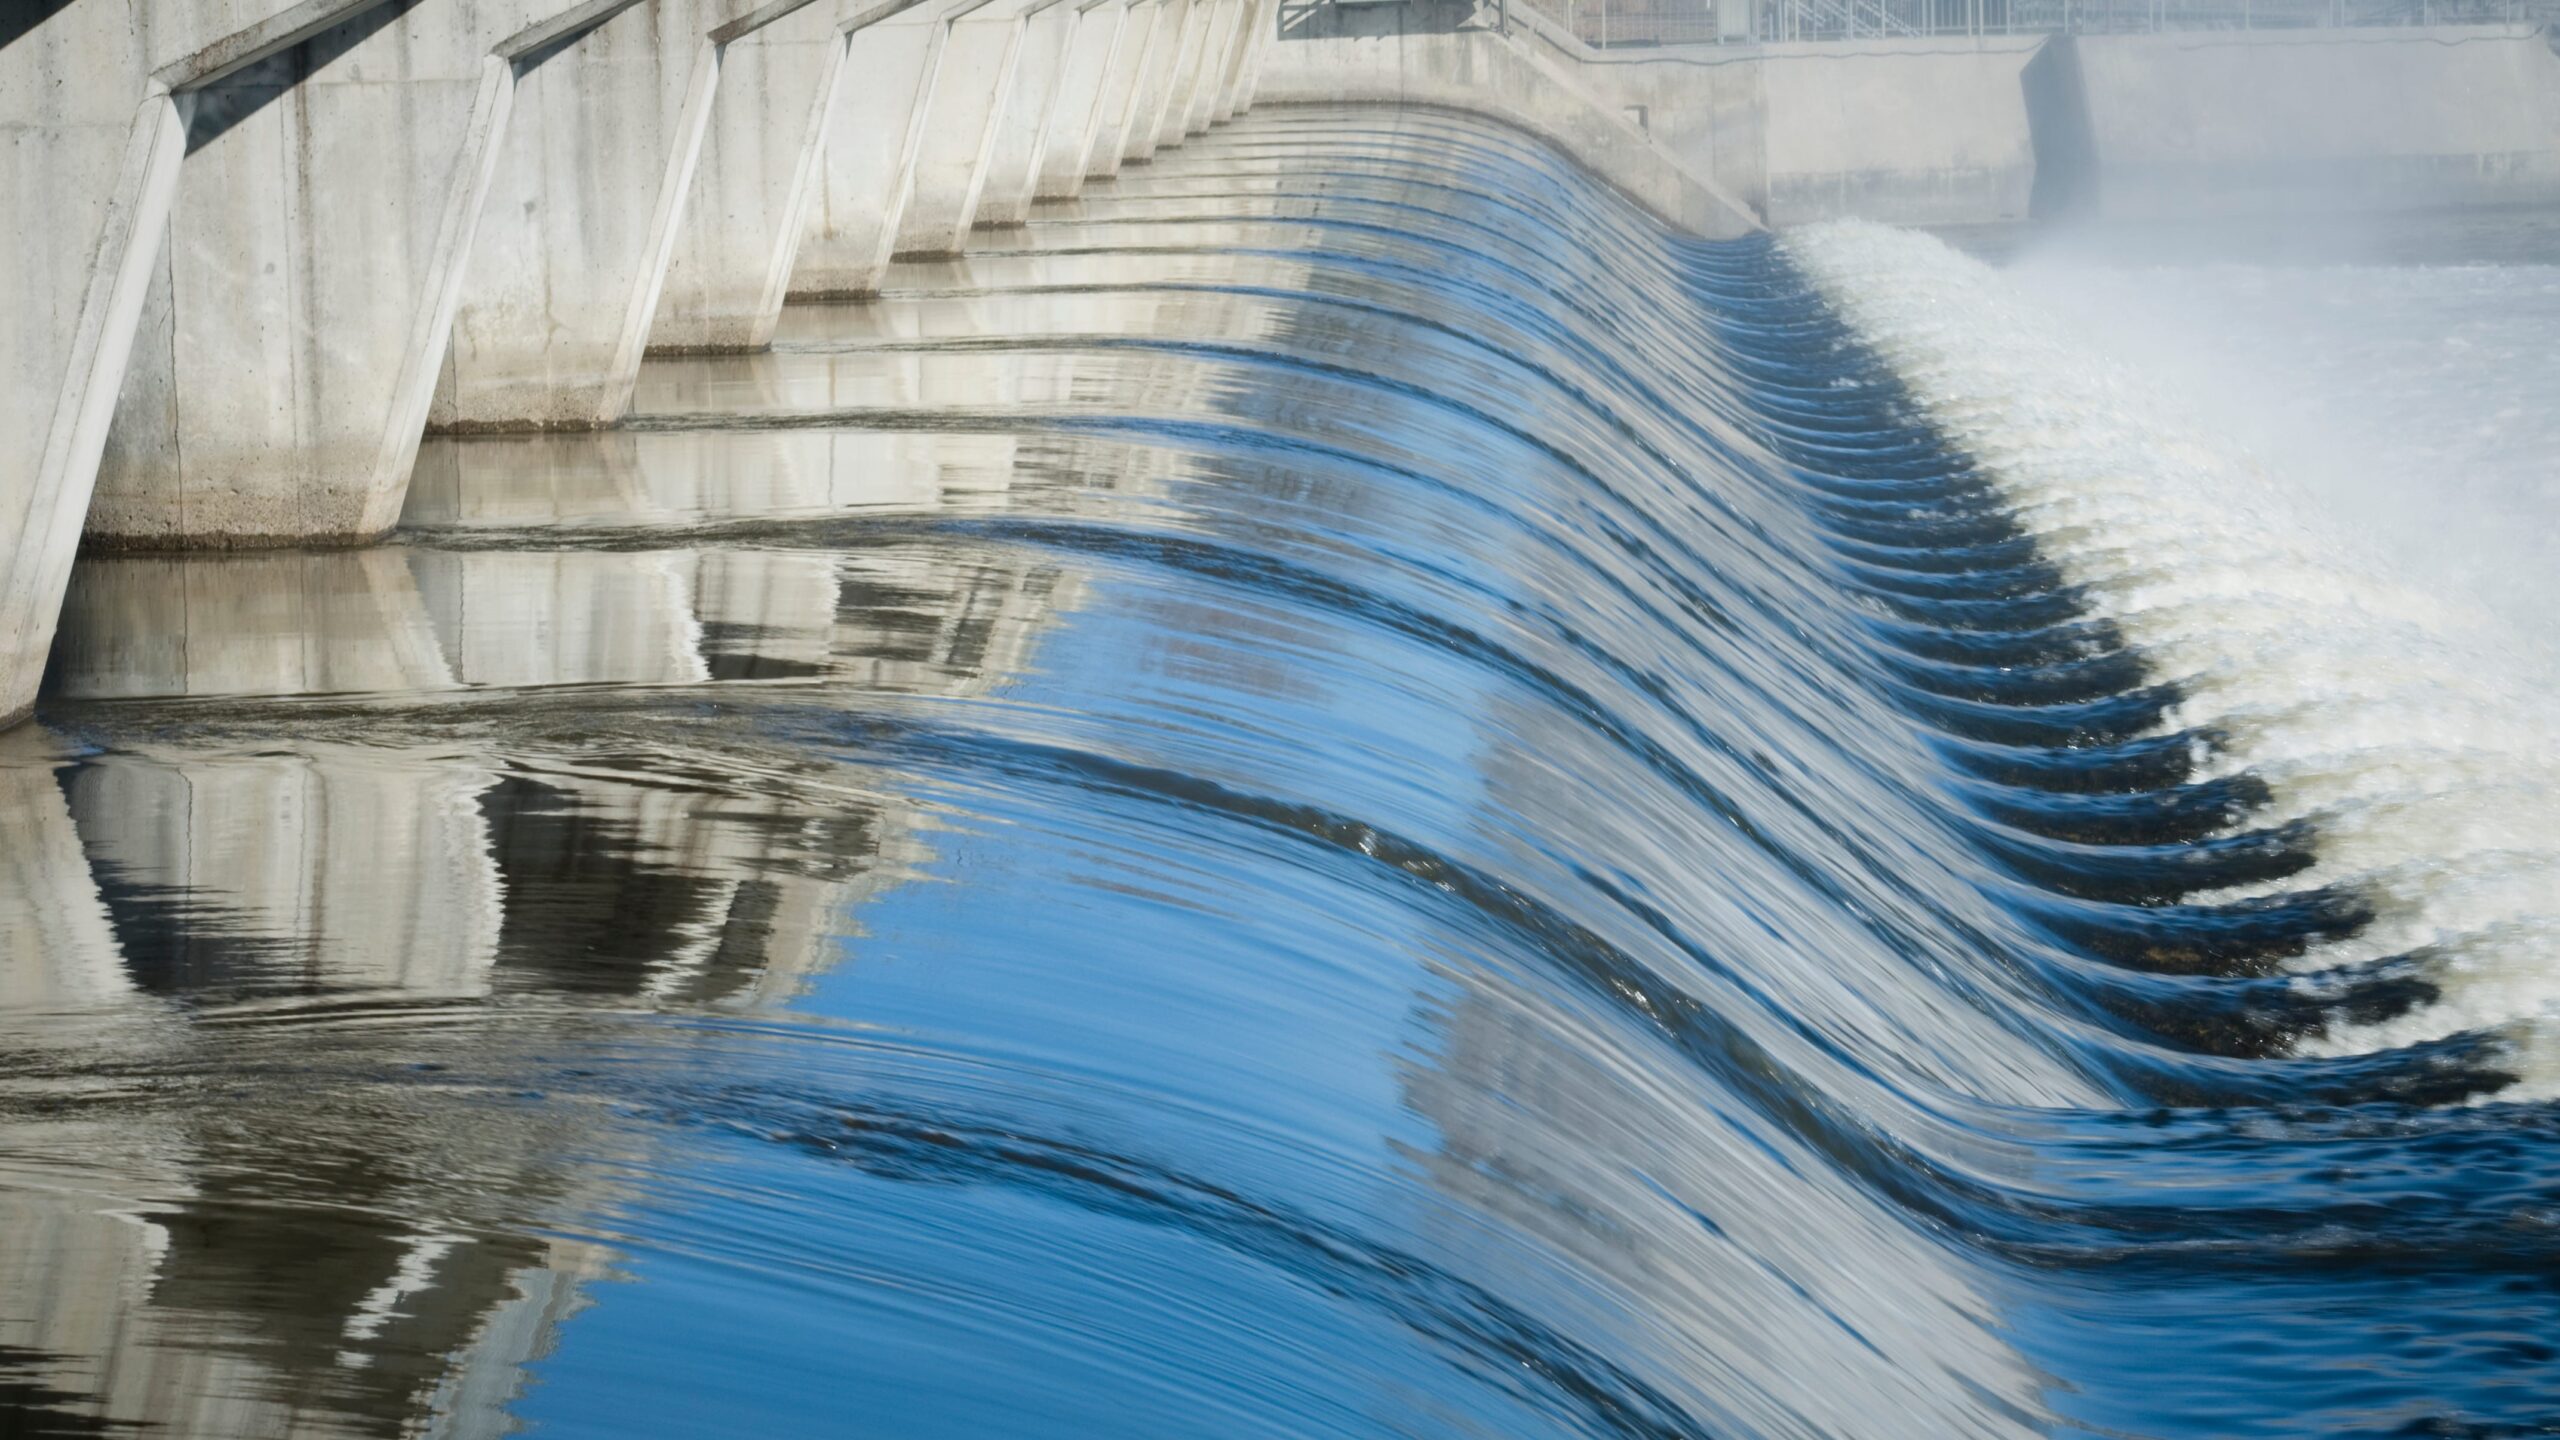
(1342, 791)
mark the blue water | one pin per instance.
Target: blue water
(1344, 790)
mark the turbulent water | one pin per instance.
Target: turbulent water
(1343, 790)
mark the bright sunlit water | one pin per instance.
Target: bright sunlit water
(1341, 791)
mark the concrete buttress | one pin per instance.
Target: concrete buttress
(1013, 161)
(1173, 111)
(866, 170)
(760, 166)
(1156, 82)
(962, 117)
(1253, 23)
(583, 215)
(1217, 46)
(1124, 83)
(1083, 97)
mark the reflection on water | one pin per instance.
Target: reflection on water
(283, 986)
(1342, 792)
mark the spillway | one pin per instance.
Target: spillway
(1342, 789)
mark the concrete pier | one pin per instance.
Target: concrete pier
(867, 168)
(1144, 122)
(1022, 131)
(1124, 82)
(1094, 56)
(744, 218)
(962, 117)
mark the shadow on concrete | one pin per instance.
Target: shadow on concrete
(2060, 131)
(19, 18)
(252, 88)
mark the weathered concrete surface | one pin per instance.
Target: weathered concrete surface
(582, 218)
(1514, 80)
(1217, 47)
(1039, 75)
(105, 158)
(1124, 85)
(1252, 28)
(1078, 117)
(1265, 30)
(2313, 120)
(1912, 132)
(1173, 118)
(743, 221)
(97, 104)
(962, 117)
(867, 168)
(1145, 119)
(281, 372)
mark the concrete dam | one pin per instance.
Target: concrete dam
(262, 248)
(1171, 718)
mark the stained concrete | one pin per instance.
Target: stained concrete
(962, 118)
(582, 219)
(1145, 118)
(287, 349)
(1028, 114)
(867, 168)
(743, 220)
(1084, 97)
(1124, 86)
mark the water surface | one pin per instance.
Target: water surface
(1343, 790)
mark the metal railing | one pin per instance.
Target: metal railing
(1706, 22)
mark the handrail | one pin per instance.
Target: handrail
(1646, 23)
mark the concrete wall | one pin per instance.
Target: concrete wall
(1124, 86)
(1022, 132)
(281, 371)
(2312, 120)
(1915, 132)
(1925, 132)
(1085, 99)
(867, 169)
(742, 222)
(1516, 79)
(1907, 131)
(963, 115)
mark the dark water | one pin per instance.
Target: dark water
(1343, 791)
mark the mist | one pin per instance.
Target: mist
(2398, 373)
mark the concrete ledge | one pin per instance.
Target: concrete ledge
(1509, 80)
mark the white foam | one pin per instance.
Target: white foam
(2400, 714)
